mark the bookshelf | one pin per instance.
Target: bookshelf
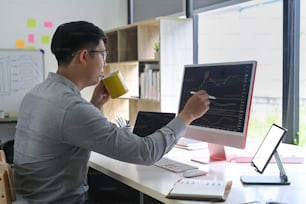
(131, 49)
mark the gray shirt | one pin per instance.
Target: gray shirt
(56, 131)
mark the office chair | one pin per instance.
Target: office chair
(8, 148)
(7, 191)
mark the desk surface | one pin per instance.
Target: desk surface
(157, 182)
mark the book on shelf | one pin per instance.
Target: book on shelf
(149, 82)
(198, 189)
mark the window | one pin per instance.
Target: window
(253, 30)
(249, 31)
(302, 132)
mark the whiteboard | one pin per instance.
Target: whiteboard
(20, 70)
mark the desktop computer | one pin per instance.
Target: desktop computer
(226, 123)
(230, 85)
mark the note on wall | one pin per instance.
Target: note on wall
(45, 39)
(48, 24)
(30, 47)
(31, 38)
(20, 43)
(31, 23)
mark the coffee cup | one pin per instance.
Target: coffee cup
(115, 84)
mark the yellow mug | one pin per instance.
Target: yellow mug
(115, 84)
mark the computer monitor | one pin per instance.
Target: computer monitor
(226, 122)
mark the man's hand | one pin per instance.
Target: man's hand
(196, 106)
(99, 96)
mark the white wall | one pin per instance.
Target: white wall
(14, 15)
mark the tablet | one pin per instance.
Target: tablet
(267, 148)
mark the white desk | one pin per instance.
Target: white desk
(157, 182)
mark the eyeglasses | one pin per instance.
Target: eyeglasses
(103, 53)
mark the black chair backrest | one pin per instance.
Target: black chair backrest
(8, 148)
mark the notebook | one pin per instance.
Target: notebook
(196, 189)
(148, 122)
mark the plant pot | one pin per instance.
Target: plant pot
(157, 55)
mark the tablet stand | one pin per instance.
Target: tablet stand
(282, 179)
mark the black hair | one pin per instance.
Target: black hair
(74, 36)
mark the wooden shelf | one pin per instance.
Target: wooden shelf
(132, 46)
(112, 46)
(127, 44)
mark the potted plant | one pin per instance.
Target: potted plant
(156, 50)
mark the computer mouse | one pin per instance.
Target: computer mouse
(193, 173)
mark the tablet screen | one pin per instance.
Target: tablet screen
(267, 147)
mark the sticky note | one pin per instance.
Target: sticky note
(31, 23)
(20, 43)
(48, 24)
(30, 47)
(31, 38)
(45, 39)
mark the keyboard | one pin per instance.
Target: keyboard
(174, 166)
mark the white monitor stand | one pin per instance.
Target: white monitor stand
(216, 153)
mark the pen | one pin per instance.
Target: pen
(209, 96)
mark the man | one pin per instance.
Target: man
(57, 129)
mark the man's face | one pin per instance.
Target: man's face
(96, 63)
